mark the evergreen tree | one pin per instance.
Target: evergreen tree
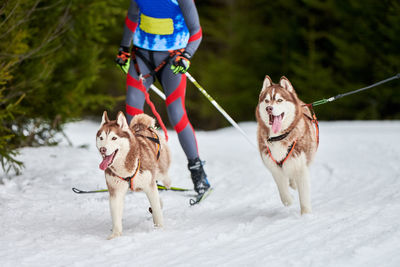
(51, 55)
(323, 47)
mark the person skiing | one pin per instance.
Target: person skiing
(165, 35)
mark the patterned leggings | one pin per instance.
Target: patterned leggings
(174, 88)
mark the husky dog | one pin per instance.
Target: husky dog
(134, 157)
(287, 136)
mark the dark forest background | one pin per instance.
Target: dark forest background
(56, 61)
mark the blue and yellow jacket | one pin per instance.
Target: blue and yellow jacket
(162, 25)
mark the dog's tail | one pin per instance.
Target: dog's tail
(142, 122)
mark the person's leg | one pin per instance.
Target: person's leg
(136, 89)
(175, 87)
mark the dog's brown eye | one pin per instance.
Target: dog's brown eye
(279, 100)
(114, 138)
(266, 101)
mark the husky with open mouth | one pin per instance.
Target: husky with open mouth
(133, 157)
(287, 136)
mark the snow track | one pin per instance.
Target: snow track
(355, 196)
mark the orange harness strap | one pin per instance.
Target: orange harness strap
(130, 179)
(155, 139)
(315, 121)
(290, 150)
(157, 143)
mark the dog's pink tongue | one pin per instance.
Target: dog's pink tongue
(277, 124)
(106, 161)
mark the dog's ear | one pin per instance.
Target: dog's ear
(284, 82)
(104, 119)
(121, 121)
(267, 82)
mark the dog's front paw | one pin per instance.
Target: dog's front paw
(286, 200)
(158, 225)
(114, 234)
(305, 210)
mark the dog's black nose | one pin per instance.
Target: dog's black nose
(269, 109)
(103, 150)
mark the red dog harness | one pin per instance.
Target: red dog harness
(291, 147)
(130, 178)
(289, 152)
(154, 139)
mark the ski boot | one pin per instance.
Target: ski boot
(199, 177)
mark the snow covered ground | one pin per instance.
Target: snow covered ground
(355, 196)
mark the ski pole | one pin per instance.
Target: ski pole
(158, 92)
(219, 108)
(333, 98)
(215, 104)
(162, 95)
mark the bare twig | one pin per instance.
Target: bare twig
(25, 18)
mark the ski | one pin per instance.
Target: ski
(160, 188)
(200, 197)
(172, 188)
(78, 191)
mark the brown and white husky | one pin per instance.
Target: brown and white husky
(287, 139)
(134, 157)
